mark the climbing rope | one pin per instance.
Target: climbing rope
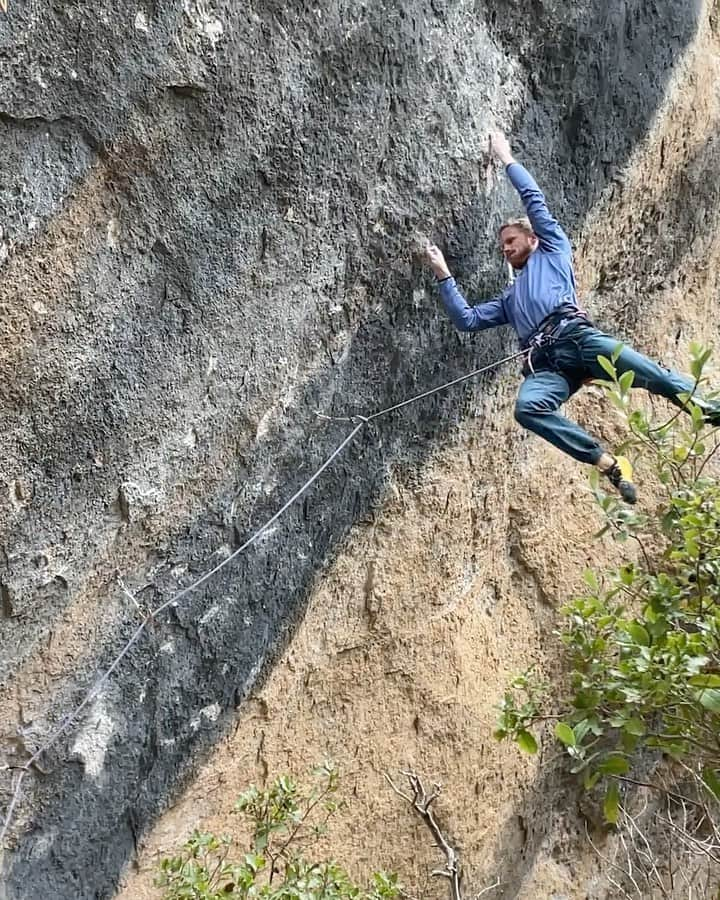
(360, 422)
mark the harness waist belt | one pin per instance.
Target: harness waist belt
(558, 318)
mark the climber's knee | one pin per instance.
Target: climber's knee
(525, 411)
(540, 397)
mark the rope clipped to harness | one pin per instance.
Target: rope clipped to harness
(539, 341)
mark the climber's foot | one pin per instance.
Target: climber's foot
(712, 417)
(618, 471)
(710, 410)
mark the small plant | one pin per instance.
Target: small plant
(285, 822)
(515, 720)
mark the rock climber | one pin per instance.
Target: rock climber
(541, 305)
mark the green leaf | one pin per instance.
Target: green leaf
(590, 579)
(712, 782)
(617, 400)
(261, 842)
(626, 381)
(634, 726)
(526, 741)
(611, 805)
(615, 765)
(564, 733)
(639, 634)
(608, 367)
(629, 742)
(698, 418)
(590, 780)
(705, 681)
(710, 699)
(581, 729)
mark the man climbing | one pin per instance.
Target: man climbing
(541, 305)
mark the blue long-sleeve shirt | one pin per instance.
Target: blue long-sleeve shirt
(545, 281)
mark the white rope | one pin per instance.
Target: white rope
(137, 634)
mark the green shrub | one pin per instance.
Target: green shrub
(285, 822)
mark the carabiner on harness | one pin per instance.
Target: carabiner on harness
(540, 341)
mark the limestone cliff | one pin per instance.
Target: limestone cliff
(208, 214)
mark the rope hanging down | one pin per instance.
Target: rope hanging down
(361, 421)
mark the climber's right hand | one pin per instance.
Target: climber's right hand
(500, 147)
(435, 258)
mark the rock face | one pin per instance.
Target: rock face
(208, 221)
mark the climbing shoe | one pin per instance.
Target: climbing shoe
(712, 417)
(619, 474)
(710, 410)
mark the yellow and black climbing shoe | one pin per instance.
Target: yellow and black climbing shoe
(620, 476)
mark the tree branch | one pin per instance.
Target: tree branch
(421, 801)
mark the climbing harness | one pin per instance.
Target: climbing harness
(538, 344)
(359, 423)
(553, 329)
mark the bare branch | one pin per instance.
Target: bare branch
(655, 787)
(490, 887)
(606, 859)
(644, 852)
(421, 801)
(397, 790)
(691, 841)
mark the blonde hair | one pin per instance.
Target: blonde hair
(523, 223)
